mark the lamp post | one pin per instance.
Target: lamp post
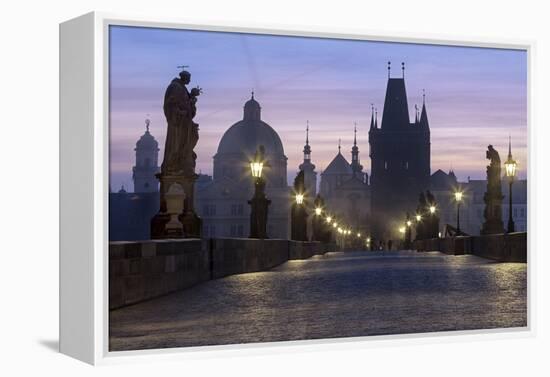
(458, 197)
(408, 224)
(511, 168)
(259, 203)
(298, 211)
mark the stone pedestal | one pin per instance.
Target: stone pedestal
(191, 223)
(298, 224)
(259, 206)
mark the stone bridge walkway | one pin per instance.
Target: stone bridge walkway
(335, 295)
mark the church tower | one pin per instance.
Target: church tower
(146, 167)
(400, 159)
(310, 175)
(356, 166)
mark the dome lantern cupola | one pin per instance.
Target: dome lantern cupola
(252, 109)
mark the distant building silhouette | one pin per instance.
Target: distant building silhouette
(130, 212)
(400, 160)
(143, 173)
(345, 189)
(222, 202)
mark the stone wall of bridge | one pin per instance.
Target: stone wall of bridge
(511, 247)
(143, 270)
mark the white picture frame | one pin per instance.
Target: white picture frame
(84, 157)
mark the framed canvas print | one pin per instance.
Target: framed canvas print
(229, 186)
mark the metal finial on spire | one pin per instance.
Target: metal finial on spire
(147, 122)
(354, 133)
(307, 132)
(375, 118)
(403, 68)
(416, 113)
(389, 68)
(339, 145)
(252, 93)
(509, 146)
(423, 96)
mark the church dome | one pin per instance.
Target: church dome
(247, 135)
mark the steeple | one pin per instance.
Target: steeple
(424, 114)
(355, 165)
(307, 148)
(310, 175)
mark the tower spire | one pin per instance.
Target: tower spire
(372, 116)
(307, 148)
(339, 145)
(375, 118)
(509, 146)
(355, 133)
(389, 69)
(403, 68)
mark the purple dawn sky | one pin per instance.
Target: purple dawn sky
(474, 96)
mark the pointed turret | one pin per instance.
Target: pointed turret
(424, 115)
(372, 117)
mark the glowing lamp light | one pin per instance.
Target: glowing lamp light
(432, 209)
(340, 230)
(510, 167)
(368, 239)
(335, 224)
(418, 217)
(318, 211)
(358, 235)
(256, 167)
(329, 219)
(402, 229)
(409, 222)
(458, 196)
(299, 198)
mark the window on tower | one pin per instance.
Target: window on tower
(385, 165)
(406, 165)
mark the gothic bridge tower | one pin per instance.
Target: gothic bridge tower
(400, 159)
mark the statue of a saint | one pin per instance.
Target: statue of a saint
(183, 134)
(493, 195)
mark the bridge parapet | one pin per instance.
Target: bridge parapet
(141, 270)
(510, 247)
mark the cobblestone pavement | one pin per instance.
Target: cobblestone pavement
(335, 295)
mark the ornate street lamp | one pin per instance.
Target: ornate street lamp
(510, 167)
(259, 203)
(299, 214)
(458, 197)
(432, 209)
